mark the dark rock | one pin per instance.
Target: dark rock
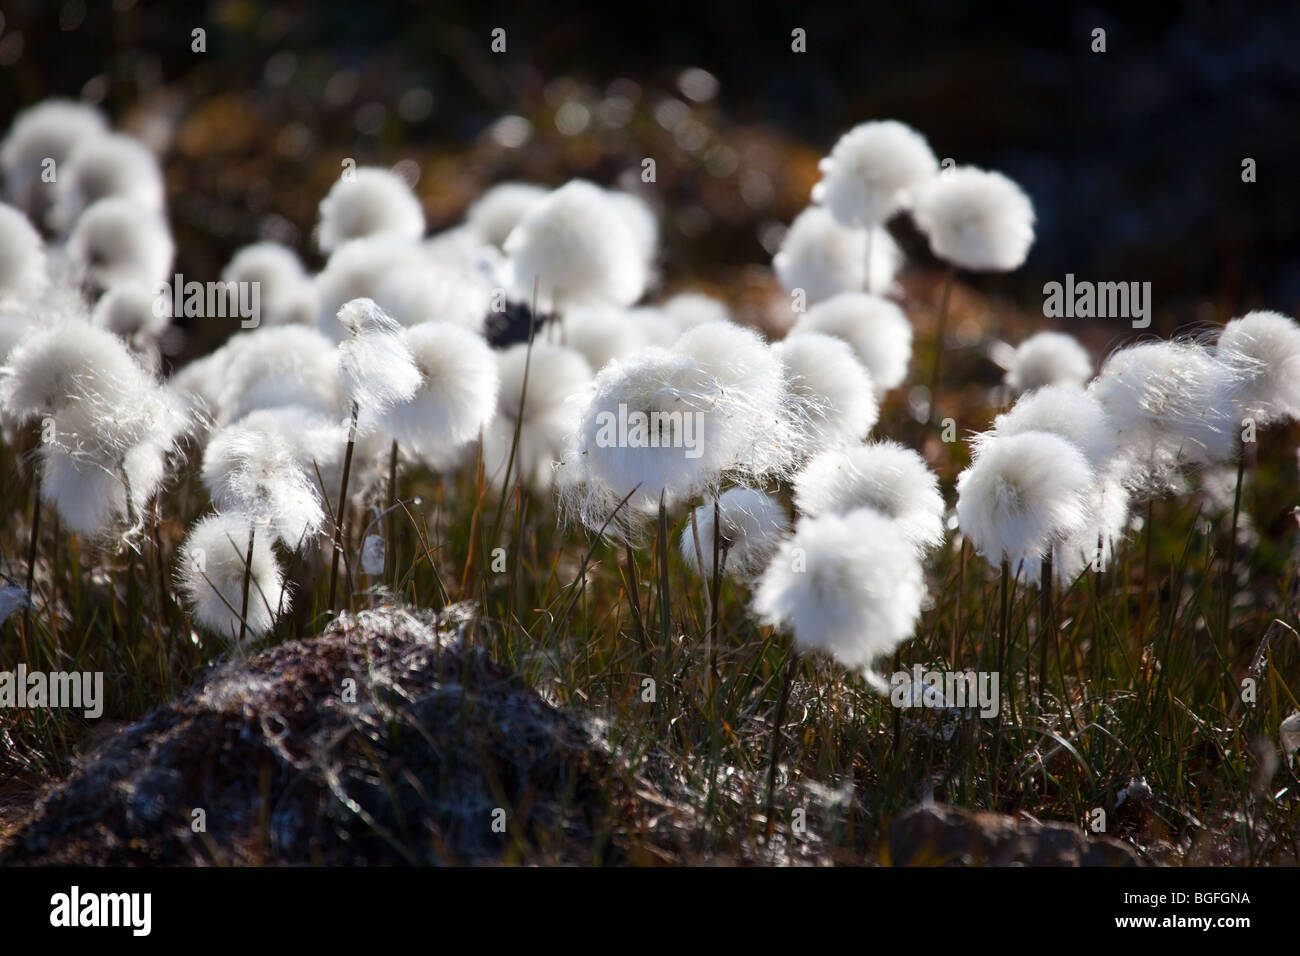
(287, 768)
(935, 835)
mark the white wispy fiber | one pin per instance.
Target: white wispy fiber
(494, 215)
(433, 292)
(116, 241)
(690, 309)
(376, 367)
(371, 202)
(1263, 349)
(22, 257)
(252, 473)
(1049, 358)
(640, 220)
(1171, 403)
(457, 395)
(753, 525)
(355, 270)
(114, 427)
(975, 219)
(579, 243)
(110, 166)
(877, 330)
(1065, 410)
(133, 312)
(1023, 494)
(210, 575)
(546, 417)
(48, 131)
(285, 292)
(884, 475)
(752, 379)
(832, 399)
(850, 586)
(824, 258)
(601, 333)
(871, 172)
(318, 443)
(691, 431)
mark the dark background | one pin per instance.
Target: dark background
(1132, 156)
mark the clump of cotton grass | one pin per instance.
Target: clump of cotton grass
(285, 292)
(1170, 405)
(751, 526)
(580, 246)
(1048, 358)
(218, 555)
(432, 292)
(48, 131)
(22, 258)
(871, 172)
(1263, 349)
(494, 215)
(752, 379)
(109, 166)
(823, 257)
(600, 333)
(376, 371)
(535, 414)
(355, 270)
(833, 401)
(370, 202)
(884, 475)
(975, 219)
(877, 330)
(846, 585)
(116, 241)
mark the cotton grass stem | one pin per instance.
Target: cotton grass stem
(1230, 583)
(775, 755)
(31, 552)
(248, 577)
(1045, 623)
(339, 512)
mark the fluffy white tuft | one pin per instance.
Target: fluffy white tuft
(1065, 410)
(285, 293)
(690, 309)
(877, 330)
(883, 475)
(211, 576)
(433, 292)
(457, 396)
(601, 333)
(871, 172)
(372, 202)
(22, 258)
(1022, 495)
(1049, 358)
(975, 219)
(50, 130)
(251, 472)
(376, 368)
(494, 215)
(579, 244)
(117, 241)
(355, 270)
(832, 399)
(1263, 349)
(850, 586)
(105, 167)
(824, 258)
(133, 312)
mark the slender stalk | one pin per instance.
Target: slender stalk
(338, 513)
(31, 553)
(665, 614)
(1230, 584)
(1045, 623)
(940, 331)
(715, 588)
(1146, 571)
(776, 742)
(391, 549)
(248, 577)
(1002, 662)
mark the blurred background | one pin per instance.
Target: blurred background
(1133, 157)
